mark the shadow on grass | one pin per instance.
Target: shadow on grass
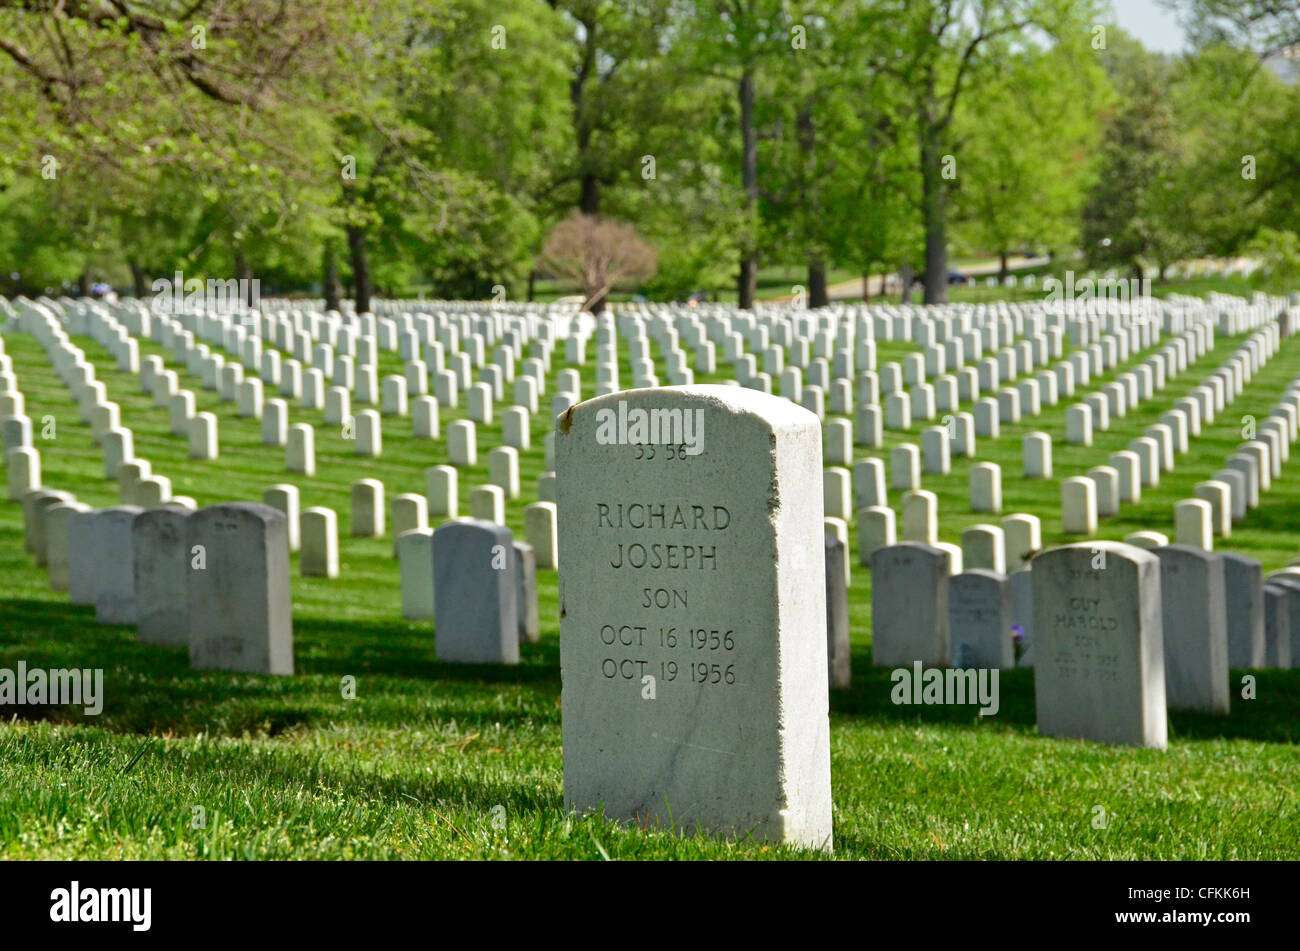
(1273, 717)
(153, 690)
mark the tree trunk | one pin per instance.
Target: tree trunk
(330, 276)
(588, 182)
(747, 280)
(139, 279)
(244, 274)
(532, 284)
(818, 296)
(360, 268)
(866, 285)
(83, 283)
(589, 200)
(905, 277)
(934, 214)
(1004, 270)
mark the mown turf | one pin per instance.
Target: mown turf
(443, 761)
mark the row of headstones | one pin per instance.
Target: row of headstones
(216, 580)
(318, 537)
(435, 364)
(1085, 499)
(24, 475)
(1031, 396)
(300, 442)
(368, 441)
(463, 452)
(1099, 493)
(202, 429)
(940, 444)
(888, 322)
(138, 486)
(364, 428)
(637, 344)
(1096, 623)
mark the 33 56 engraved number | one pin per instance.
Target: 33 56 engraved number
(646, 451)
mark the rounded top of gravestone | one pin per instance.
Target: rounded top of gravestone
(1239, 558)
(1187, 552)
(974, 576)
(116, 509)
(163, 513)
(1091, 549)
(258, 510)
(472, 526)
(912, 548)
(45, 492)
(776, 410)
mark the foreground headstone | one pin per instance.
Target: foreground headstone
(1099, 669)
(476, 618)
(161, 563)
(238, 589)
(1195, 629)
(698, 581)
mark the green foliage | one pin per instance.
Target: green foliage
(475, 125)
(1278, 253)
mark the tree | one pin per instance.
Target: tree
(597, 253)
(1125, 217)
(1024, 161)
(941, 48)
(733, 41)
(1265, 26)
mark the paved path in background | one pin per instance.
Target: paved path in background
(852, 290)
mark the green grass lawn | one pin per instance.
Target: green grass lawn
(430, 757)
